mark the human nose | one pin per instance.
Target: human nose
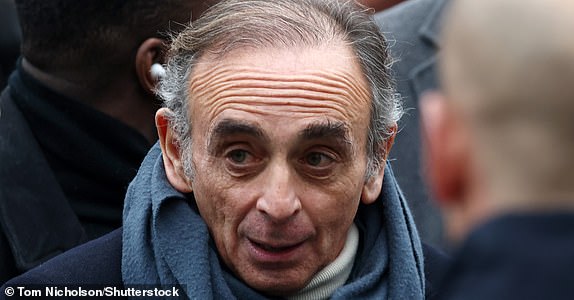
(279, 201)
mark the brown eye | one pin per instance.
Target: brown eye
(241, 163)
(238, 156)
(316, 159)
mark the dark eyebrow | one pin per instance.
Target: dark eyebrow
(329, 129)
(231, 127)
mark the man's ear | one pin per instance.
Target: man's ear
(149, 53)
(445, 156)
(171, 153)
(373, 185)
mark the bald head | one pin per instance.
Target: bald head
(501, 45)
(508, 69)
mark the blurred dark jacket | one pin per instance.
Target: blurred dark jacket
(9, 39)
(64, 172)
(515, 257)
(412, 29)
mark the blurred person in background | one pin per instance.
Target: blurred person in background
(77, 118)
(9, 39)
(412, 28)
(499, 144)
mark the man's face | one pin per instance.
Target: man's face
(279, 152)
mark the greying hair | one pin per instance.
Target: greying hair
(233, 24)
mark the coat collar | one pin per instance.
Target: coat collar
(423, 76)
(34, 214)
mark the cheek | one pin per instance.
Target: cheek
(333, 208)
(212, 195)
(222, 203)
(220, 208)
(332, 212)
(209, 202)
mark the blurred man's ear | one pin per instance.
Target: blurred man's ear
(445, 156)
(150, 52)
(171, 153)
(373, 185)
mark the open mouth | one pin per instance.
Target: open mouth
(275, 249)
(276, 256)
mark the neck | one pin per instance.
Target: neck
(556, 193)
(482, 204)
(122, 98)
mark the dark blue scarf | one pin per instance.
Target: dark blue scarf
(166, 242)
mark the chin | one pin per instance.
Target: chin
(279, 284)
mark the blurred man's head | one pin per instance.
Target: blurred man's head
(100, 52)
(94, 34)
(280, 129)
(501, 137)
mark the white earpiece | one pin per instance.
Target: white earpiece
(157, 71)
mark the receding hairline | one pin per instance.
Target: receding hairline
(307, 22)
(334, 76)
(212, 57)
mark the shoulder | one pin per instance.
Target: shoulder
(7, 262)
(9, 112)
(436, 264)
(95, 262)
(411, 31)
(36, 220)
(519, 256)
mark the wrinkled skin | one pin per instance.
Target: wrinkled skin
(279, 153)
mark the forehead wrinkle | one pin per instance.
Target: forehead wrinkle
(280, 89)
(231, 88)
(259, 105)
(240, 71)
(359, 88)
(321, 82)
(254, 109)
(231, 76)
(280, 96)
